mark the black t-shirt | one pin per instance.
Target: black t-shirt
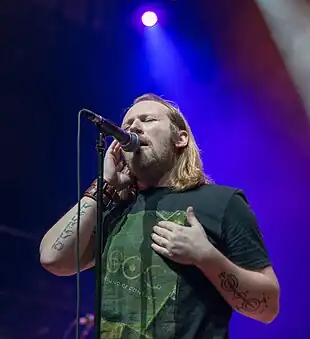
(149, 296)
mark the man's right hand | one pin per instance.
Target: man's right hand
(115, 172)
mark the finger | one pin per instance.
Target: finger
(111, 148)
(112, 145)
(120, 166)
(115, 151)
(160, 250)
(117, 145)
(126, 171)
(116, 148)
(171, 226)
(159, 240)
(191, 218)
(126, 168)
(162, 232)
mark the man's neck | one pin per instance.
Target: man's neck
(162, 182)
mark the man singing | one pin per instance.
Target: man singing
(182, 252)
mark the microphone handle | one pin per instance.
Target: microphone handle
(129, 141)
(108, 127)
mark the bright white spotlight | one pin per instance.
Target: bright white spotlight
(149, 19)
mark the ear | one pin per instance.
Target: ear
(182, 139)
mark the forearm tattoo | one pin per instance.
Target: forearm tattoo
(245, 303)
(69, 230)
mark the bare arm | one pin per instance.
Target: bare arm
(252, 293)
(243, 274)
(57, 248)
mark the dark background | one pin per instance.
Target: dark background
(60, 56)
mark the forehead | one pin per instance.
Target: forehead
(144, 108)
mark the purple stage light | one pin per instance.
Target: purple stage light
(149, 19)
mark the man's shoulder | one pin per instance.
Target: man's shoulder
(217, 190)
(212, 195)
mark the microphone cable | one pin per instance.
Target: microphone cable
(77, 248)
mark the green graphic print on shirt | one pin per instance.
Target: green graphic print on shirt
(139, 287)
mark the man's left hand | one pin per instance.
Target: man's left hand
(184, 245)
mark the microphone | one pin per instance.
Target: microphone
(129, 141)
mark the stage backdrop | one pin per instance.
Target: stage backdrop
(218, 62)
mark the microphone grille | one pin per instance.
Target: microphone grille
(133, 144)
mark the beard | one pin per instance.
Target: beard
(148, 165)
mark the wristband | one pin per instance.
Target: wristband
(110, 194)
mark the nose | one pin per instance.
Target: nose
(136, 127)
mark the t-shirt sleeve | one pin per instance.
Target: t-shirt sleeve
(242, 240)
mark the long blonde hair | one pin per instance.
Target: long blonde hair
(188, 170)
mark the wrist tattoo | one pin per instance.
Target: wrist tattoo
(248, 304)
(70, 229)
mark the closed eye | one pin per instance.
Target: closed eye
(143, 118)
(149, 119)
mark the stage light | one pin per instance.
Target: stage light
(149, 19)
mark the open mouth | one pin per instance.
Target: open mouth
(143, 143)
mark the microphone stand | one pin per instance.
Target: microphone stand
(100, 234)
